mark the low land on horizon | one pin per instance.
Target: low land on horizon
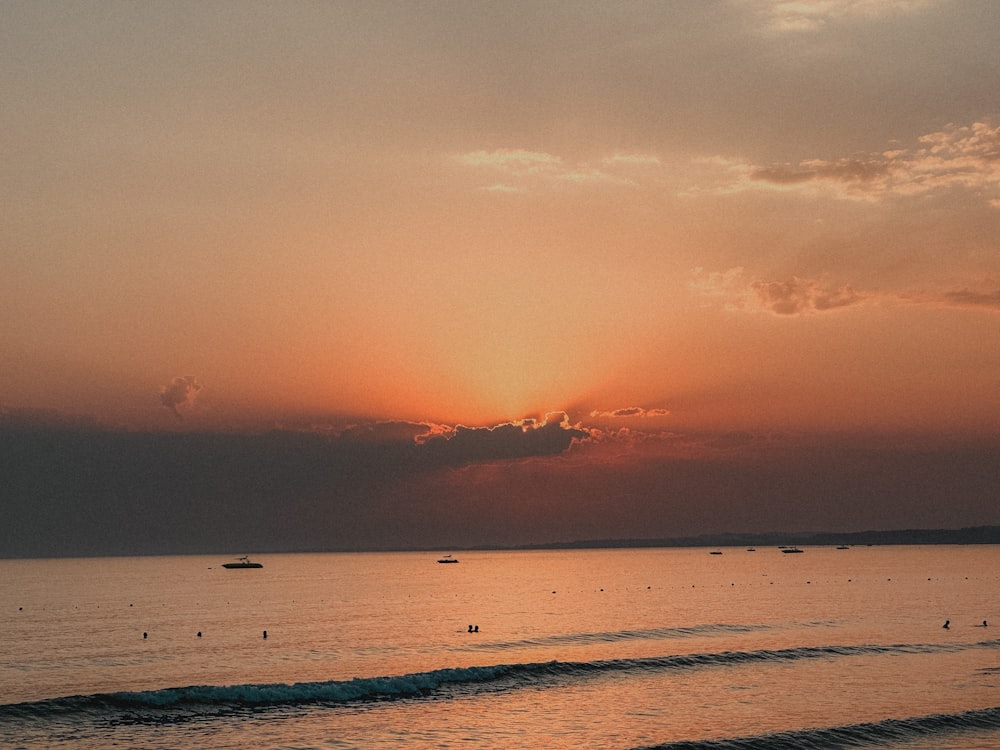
(972, 535)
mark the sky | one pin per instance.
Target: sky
(560, 268)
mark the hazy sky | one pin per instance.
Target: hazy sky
(684, 226)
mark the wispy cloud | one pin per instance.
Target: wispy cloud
(630, 412)
(792, 296)
(957, 157)
(522, 164)
(500, 187)
(969, 298)
(804, 16)
(736, 290)
(632, 160)
(965, 157)
(983, 296)
(514, 161)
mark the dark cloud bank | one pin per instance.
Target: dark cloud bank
(79, 490)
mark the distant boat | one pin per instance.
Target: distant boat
(842, 546)
(790, 550)
(242, 562)
(751, 549)
(715, 552)
(447, 559)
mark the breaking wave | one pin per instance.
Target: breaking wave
(179, 703)
(872, 734)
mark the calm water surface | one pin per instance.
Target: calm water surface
(672, 648)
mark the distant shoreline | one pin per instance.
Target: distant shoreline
(964, 536)
(970, 535)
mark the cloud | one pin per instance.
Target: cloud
(983, 298)
(522, 164)
(283, 491)
(630, 411)
(809, 16)
(513, 161)
(180, 395)
(850, 171)
(386, 432)
(970, 298)
(956, 157)
(499, 187)
(632, 160)
(730, 286)
(513, 440)
(797, 296)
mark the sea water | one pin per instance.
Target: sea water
(653, 648)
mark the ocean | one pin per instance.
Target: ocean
(626, 648)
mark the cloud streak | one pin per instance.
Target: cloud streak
(957, 157)
(736, 291)
(629, 412)
(811, 16)
(523, 164)
(793, 296)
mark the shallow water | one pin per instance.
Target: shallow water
(583, 648)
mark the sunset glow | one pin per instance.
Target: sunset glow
(671, 221)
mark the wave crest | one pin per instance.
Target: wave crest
(872, 734)
(208, 699)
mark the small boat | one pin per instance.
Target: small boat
(715, 552)
(242, 562)
(751, 549)
(790, 550)
(447, 559)
(842, 546)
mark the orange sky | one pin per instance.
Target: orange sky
(754, 215)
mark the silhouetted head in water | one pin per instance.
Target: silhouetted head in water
(946, 624)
